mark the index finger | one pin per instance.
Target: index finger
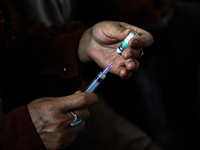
(76, 101)
(145, 38)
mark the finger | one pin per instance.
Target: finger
(81, 113)
(115, 31)
(131, 53)
(125, 74)
(78, 100)
(131, 64)
(144, 39)
(79, 91)
(76, 129)
(137, 64)
(73, 131)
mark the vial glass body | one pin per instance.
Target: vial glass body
(125, 42)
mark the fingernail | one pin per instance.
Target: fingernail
(79, 91)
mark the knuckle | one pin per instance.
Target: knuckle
(96, 97)
(86, 99)
(150, 39)
(127, 53)
(137, 64)
(57, 124)
(50, 106)
(83, 99)
(87, 113)
(120, 62)
(142, 42)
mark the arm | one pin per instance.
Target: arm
(44, 56)
(18, 132)
(19, 41)
(32, 54)
(40, 45)
(45, 122)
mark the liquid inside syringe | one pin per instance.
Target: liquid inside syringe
(102, 75)
(98, 79)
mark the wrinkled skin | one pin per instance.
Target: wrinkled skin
(51, 116)
(100, 42)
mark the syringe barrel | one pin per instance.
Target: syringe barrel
(96, 82)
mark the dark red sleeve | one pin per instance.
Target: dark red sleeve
(59, 53)
(18, 132)
(44, 49)
(30, 51)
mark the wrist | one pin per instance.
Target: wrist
(83, 46)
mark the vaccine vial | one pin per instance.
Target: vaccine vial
(125, 42)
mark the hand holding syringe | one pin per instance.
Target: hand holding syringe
(102, 75)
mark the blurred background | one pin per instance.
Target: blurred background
(162, 97)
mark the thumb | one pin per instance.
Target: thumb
(79, 91)
(117, 31)
(77, 100)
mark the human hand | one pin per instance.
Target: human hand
(52, 118)
(100, 42)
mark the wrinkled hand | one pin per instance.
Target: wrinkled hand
(100, 42)
(52, 118)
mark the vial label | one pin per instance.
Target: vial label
(125, 42)
(130, 36)
(127, 39)
(125, 45)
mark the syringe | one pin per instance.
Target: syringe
(98, 79)
(102, 75)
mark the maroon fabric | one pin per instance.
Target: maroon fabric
(32, 59)
(18, 132)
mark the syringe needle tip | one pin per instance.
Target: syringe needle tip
(105, 71)
(115, 58)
